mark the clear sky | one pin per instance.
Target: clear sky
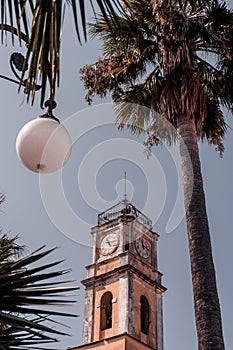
(58, 210)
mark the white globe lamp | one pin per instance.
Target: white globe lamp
(43, 145)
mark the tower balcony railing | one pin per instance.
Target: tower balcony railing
(124, 209)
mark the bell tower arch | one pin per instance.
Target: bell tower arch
(123, 287)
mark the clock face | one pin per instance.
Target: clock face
(143, 247)
(109, 244)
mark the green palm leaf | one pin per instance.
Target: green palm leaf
(26, 301)
(39, 24)
(135, 68)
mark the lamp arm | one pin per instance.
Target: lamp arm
(9, 79)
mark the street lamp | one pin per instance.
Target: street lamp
(43, 145)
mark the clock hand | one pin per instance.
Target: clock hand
(147, 247)
(107, 240)
(114, 241)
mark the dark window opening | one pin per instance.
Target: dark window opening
(145, 315)
(126, 246)
(106, 311)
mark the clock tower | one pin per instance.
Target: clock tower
(123, 287)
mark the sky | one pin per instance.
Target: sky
(59, 209)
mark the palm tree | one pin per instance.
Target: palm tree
(175, 58)
(39, 24)
(29, 293)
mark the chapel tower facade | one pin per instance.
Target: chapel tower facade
(123, 287)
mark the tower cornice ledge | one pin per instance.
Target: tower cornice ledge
(124, 258)
(119, 342)
(115, 274)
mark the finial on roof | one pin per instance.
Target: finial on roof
(125, 192)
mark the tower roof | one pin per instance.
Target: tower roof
(124, 209)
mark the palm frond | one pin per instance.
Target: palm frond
(39, 24)
(168, 38)
(26, 301)
(12, 15)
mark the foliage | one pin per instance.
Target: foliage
(39, 24)
(160, 51)
(28, 294)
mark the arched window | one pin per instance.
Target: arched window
(145, 315)
(106, 311)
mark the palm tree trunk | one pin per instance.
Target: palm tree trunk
(206, 302)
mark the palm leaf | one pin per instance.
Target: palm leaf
(153, 59)
(43, 43)
(26, 302)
